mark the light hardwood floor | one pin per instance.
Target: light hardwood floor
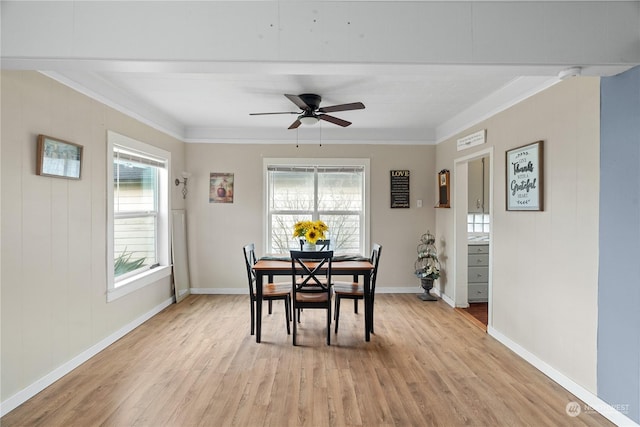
(195, 364)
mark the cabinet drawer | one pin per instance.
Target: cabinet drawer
(478, 249)
(478, 275)
(478, 260)
(478, 292)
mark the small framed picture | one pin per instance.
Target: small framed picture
(444, 189)
(58, 158)
(524, 178)
(220, 187)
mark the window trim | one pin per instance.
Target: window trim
(150, 276)
(320, 162)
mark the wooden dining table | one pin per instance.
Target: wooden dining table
(281, 266)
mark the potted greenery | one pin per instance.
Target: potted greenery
(124, 264)
(427, 266)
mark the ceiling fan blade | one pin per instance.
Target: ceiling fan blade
(282, 112)
(342, 107)
(334, 120)
(295, 124)
(298, 101)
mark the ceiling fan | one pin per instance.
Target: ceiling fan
(311, 112)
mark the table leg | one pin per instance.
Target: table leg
(258, 306)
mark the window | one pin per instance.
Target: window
(478, 223)
(334, 191)
(138, 215)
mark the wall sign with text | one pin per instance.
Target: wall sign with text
(524, 178)
(400, 189)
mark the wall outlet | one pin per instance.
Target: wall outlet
(419, 203)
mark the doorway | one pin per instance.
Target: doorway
(473, 219)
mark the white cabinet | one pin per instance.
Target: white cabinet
(478, 273)
(478, 185)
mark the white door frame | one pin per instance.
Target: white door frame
(460, 239)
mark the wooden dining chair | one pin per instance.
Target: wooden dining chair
(311, 285)
(270, 291)
(354, 290)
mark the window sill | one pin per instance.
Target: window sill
(139, 281)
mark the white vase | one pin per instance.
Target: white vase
(309, 247)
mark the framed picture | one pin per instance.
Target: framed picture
(444, 189)
(58, 158)
(524, 178)
(220, 187)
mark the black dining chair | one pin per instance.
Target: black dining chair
(270, 291)
(321, 245)
(311, 285)
(354, 290)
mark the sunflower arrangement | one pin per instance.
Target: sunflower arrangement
(312, 231)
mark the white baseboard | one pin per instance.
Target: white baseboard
(590, 399)
(220, 291)
(399, 290)
(444, 297)
(27, 393)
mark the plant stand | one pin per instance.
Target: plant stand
(427, 284)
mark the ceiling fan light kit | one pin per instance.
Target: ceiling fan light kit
(311, 112)
(308, 120)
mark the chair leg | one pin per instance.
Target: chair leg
(270, 306)
(253, 317)
(286, 314)
(337, 313)
(329, 323)
(295, 328)
(372, 317)
(355, 306)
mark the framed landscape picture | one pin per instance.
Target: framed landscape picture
(58, 158)
(524, 178)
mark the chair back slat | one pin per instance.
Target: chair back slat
(315, 278)
(249, 260)
(376, 251)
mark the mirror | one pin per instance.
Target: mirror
(179, 255)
